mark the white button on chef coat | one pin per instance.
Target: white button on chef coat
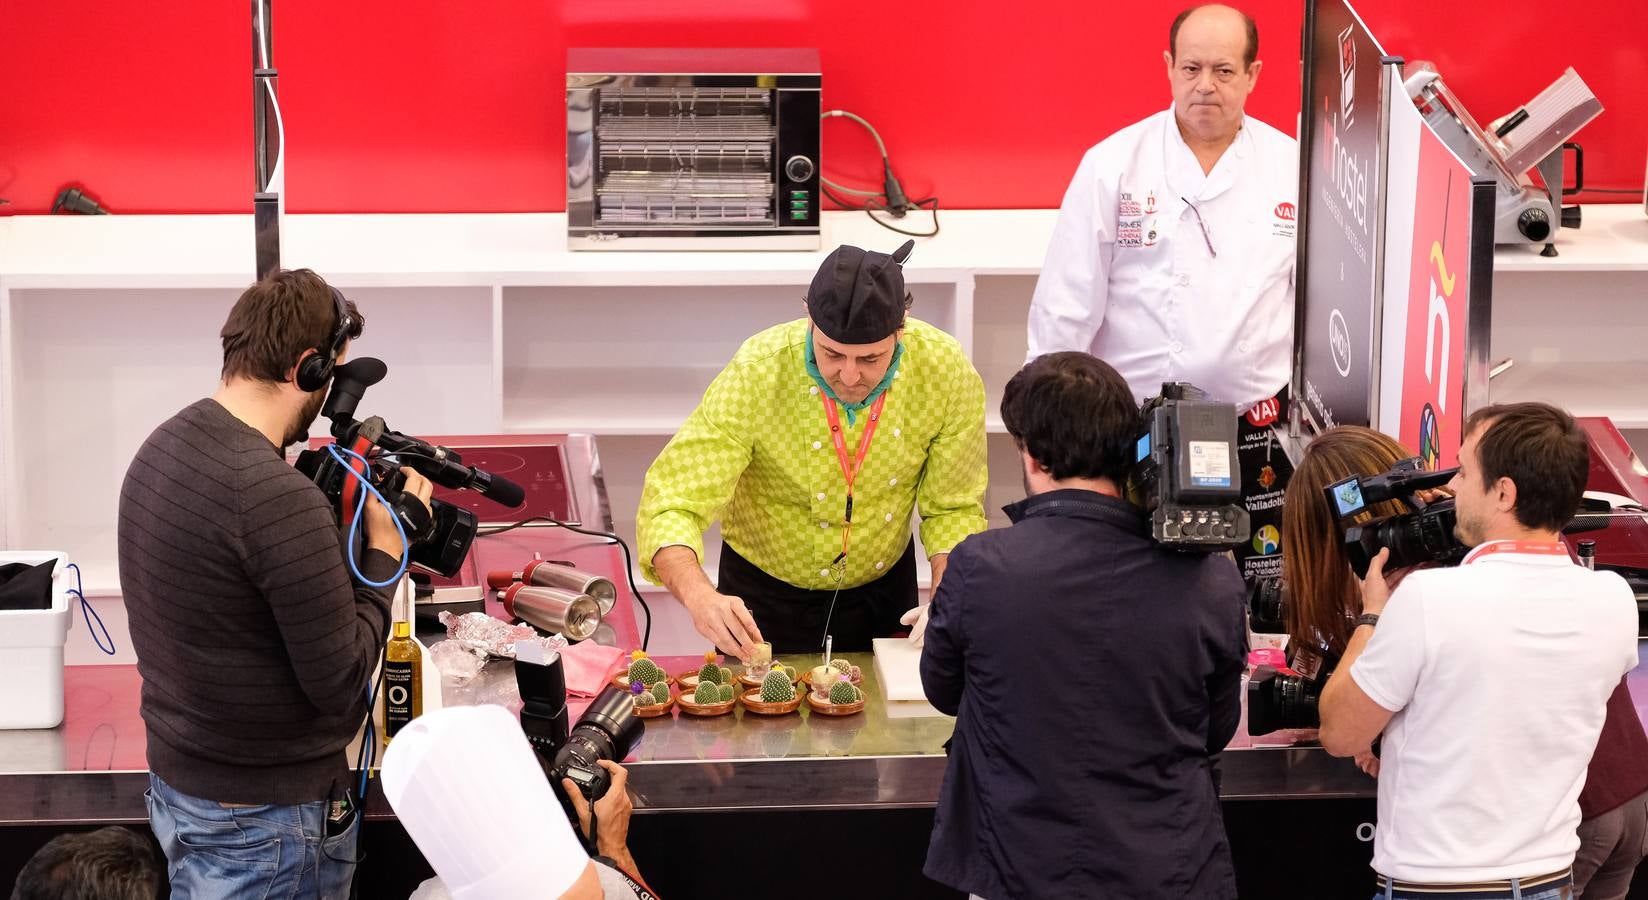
(1129, 264)
(880, 566)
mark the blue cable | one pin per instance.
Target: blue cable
(354, 524)
(369, 735)
(86, 611)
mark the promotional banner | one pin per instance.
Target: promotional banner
(1435, 294)
(1433, 382)
(1341, 204)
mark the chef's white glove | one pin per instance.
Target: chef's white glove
(917, 620)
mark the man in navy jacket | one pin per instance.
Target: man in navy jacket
(1094, 675)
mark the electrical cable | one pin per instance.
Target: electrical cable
(1636, 191)
(629, 562)
(890, 200)
(354, 524)
(277, 172)
(86, 611)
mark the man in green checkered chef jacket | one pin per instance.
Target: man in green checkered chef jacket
(857, 393)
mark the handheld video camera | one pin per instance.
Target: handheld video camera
(1424, 535)
(440, 537)
(1187, 475)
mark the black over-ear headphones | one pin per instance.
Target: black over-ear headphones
(316, 368)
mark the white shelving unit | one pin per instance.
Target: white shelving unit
(109, 324)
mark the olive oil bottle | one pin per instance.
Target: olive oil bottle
(402, 675)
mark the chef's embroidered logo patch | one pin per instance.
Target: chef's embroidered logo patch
(1286, 220)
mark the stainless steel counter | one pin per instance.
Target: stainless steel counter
(92, 768)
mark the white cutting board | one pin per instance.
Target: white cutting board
(898, 666)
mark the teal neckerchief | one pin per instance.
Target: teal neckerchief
(852, 409)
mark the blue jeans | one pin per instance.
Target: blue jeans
(249, 852)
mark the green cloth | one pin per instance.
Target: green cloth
(756, 455)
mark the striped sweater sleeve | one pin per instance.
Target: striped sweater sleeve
(333, 627)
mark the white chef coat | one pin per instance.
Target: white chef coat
(1130, 277)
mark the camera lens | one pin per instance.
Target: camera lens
(1266, 603)
(1276, 701)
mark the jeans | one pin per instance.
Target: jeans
(249, 852)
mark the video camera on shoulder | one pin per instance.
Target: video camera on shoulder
(1187, 475)
(439, 537)
(1422, 536)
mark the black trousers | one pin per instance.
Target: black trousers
(792, 618)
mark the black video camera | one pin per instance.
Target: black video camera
(1278, 699)
(1187, 475)
(1424, 535)
(440, 537)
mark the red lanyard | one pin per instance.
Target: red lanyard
(1533, 548)
(850, 469)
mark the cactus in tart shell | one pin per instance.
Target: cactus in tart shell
(842, 666)
(776, 688)
(843, 693)
(709, 673)
(646, 671)
(660, 692)
(708, 692)
(728, 692)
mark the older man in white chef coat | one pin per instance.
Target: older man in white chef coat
(1172, 259)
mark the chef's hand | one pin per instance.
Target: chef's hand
(726, 622)
(917, 620)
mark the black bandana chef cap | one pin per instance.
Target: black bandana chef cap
(858, 295)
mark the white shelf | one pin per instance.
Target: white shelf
(530, 249)
(466, 249)
(1613, 389)
(1612, 237)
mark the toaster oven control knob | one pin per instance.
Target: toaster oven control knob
(799, 168)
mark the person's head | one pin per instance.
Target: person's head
(107, 864)
(283, 336)
(1522, 472)
(1323, 596)
(1073, 418)
(856, 305)
(1212, 66)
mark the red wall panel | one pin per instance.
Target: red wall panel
(440, 106)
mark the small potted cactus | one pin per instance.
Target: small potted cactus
(650, 702)
(642, 669)
(712, 694)
(841, 698)
(710, 671)
(776, 695)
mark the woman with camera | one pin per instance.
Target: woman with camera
(1323, 594)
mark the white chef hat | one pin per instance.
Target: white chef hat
(469, 790)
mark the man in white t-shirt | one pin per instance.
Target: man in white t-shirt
(1489, 680)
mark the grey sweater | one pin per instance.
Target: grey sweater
(254, 644)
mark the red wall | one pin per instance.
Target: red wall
(446, 106)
